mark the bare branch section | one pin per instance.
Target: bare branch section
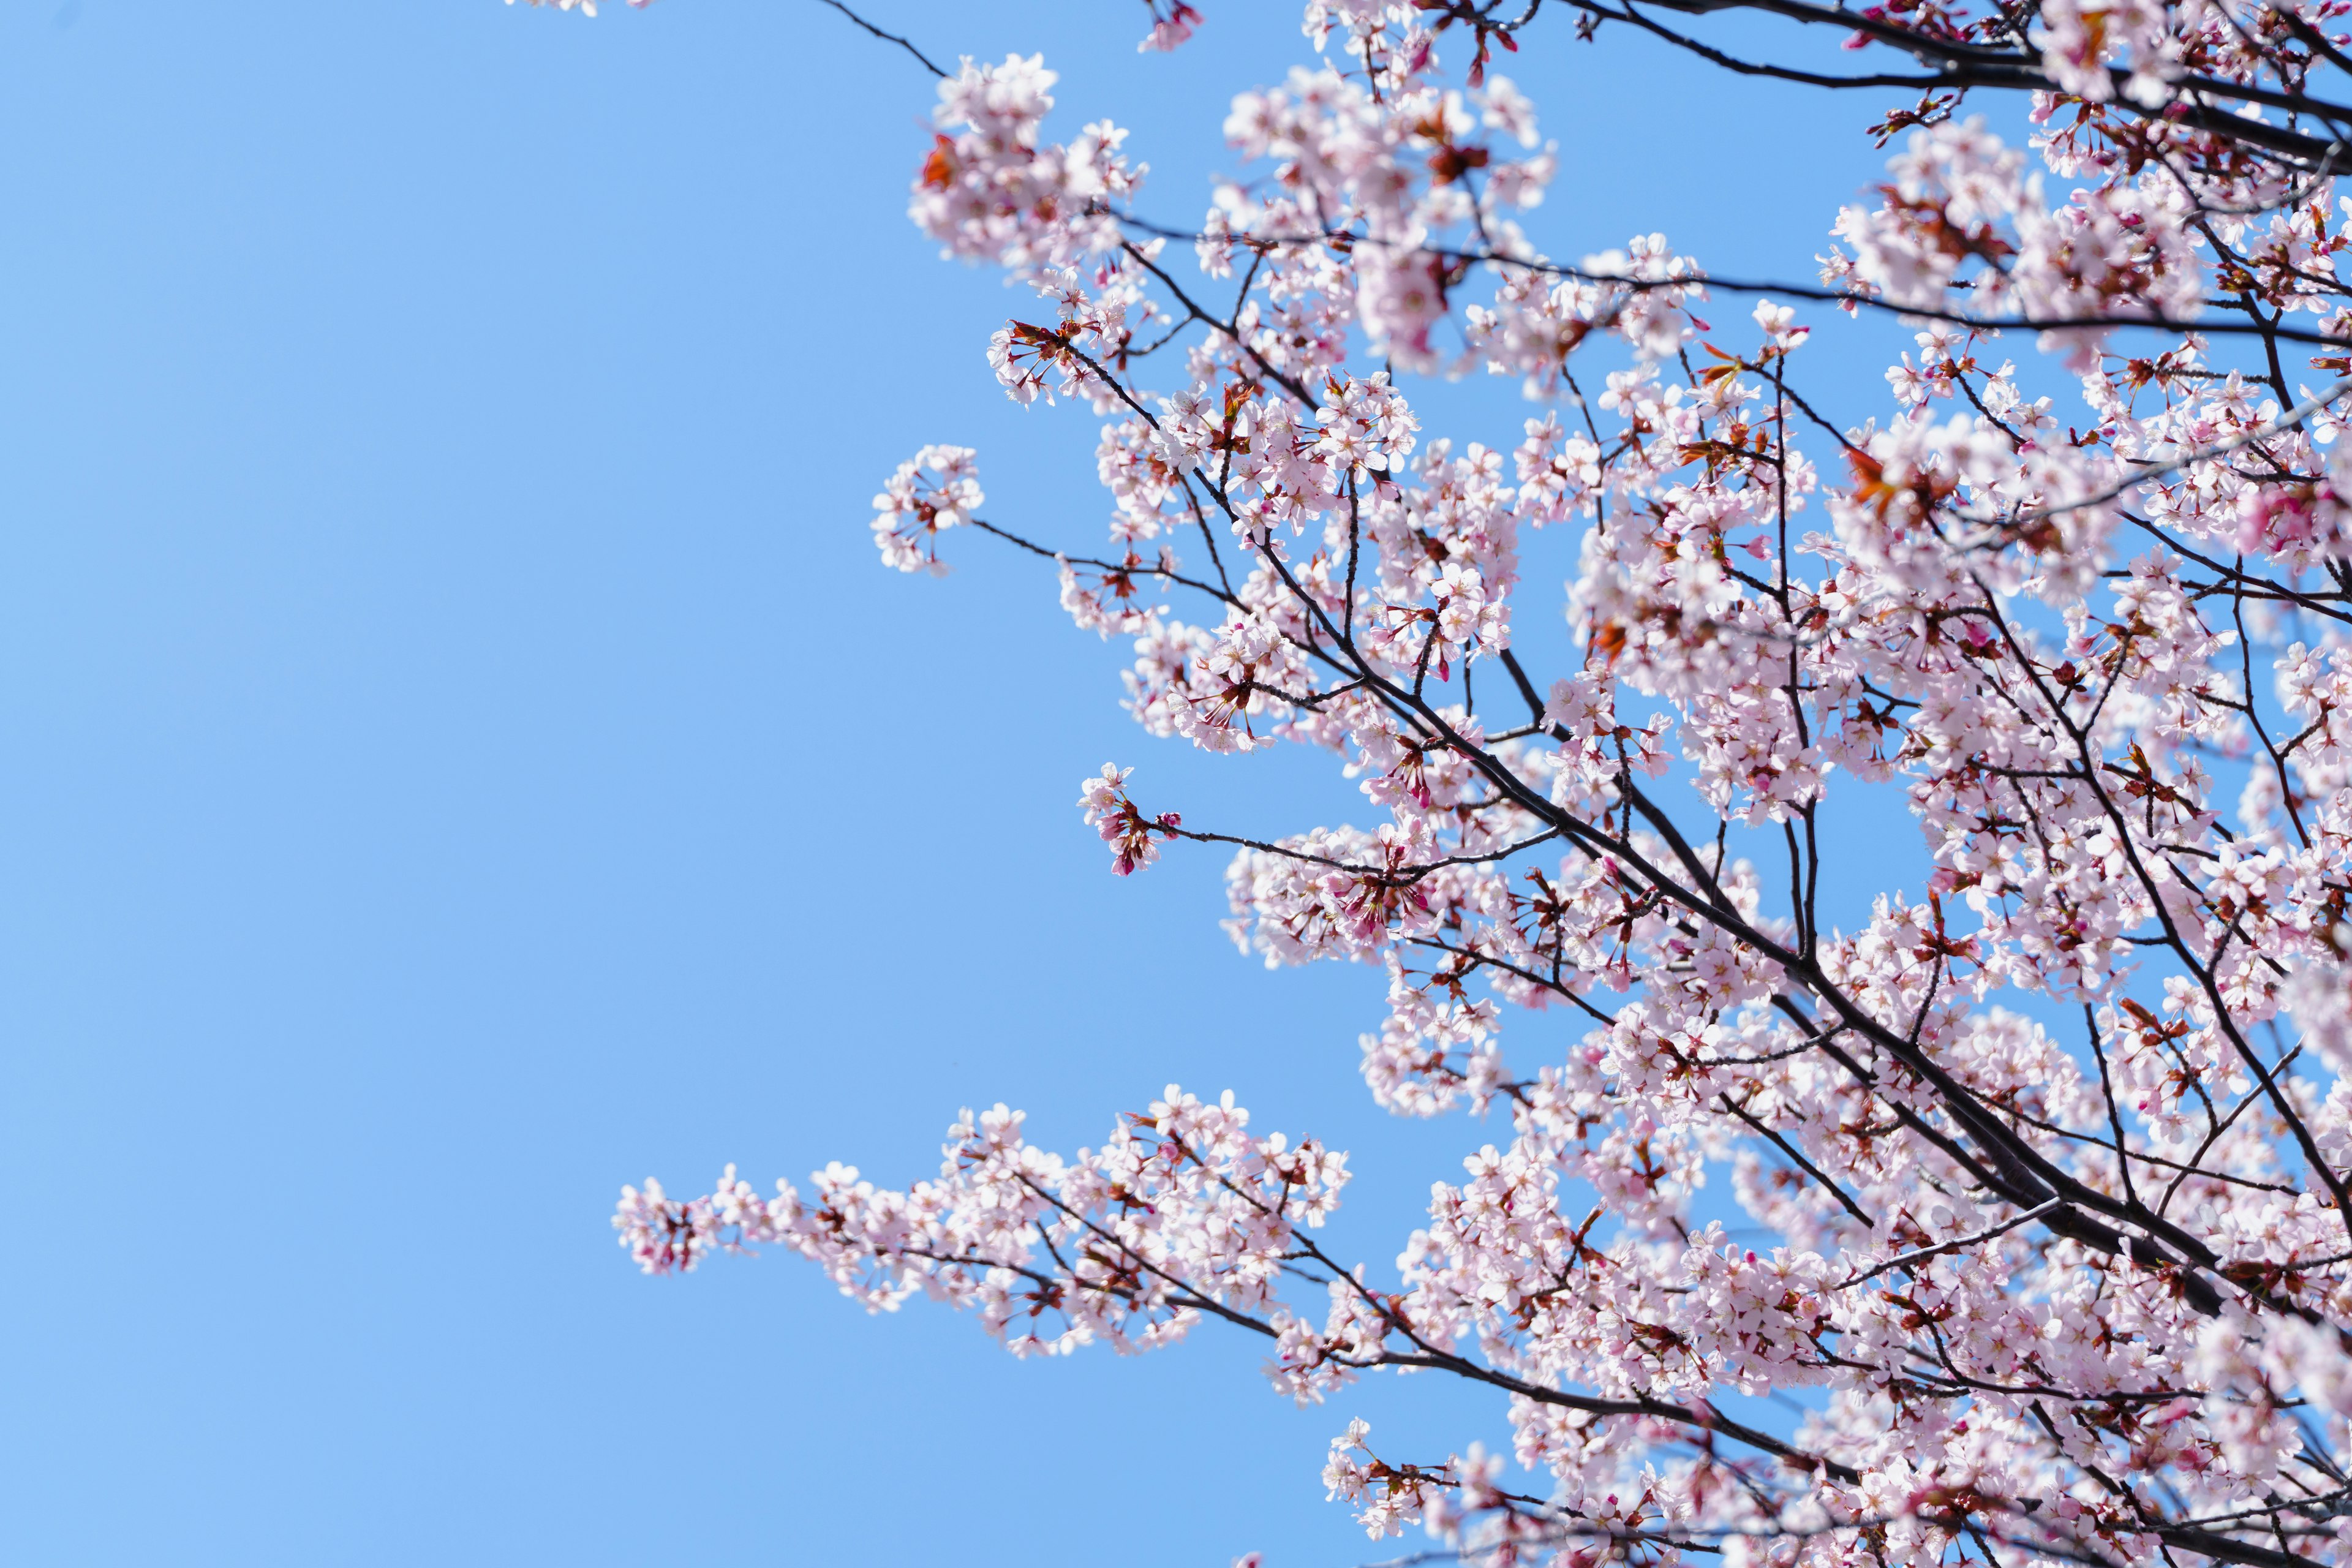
(922, 59)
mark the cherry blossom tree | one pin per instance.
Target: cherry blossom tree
(2047, 1160)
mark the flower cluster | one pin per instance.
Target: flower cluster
(993, 189)
(1108, 811)
(937, 489)
(1180, 1212)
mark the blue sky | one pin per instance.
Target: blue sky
(461, 754)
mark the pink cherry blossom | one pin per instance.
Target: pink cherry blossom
(2042, 1162)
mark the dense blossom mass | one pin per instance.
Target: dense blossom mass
(2044, 1162)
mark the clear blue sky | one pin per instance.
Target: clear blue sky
(461, 754)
